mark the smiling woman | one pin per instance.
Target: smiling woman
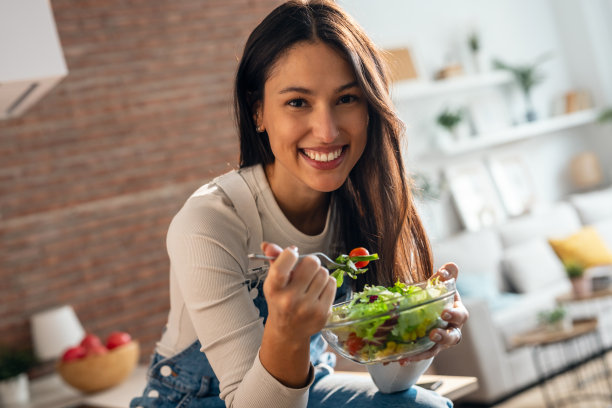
(320, 170)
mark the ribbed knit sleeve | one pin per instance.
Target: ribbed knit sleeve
(206, 244)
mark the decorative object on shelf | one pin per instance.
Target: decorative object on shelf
(514, 183)
(428, 186)
(474, 46)
(401, 63)
(474, 195)
(450, 120)
(14, 382)
(449, 71)
(605, 116)
(556, 319)
(581, 284)
(586, 171)
(54, 330)
(527, 76)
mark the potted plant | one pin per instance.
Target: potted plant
(580, 282)
(556, 319)
(449, 120)
(14, 383)
(605, 116)
(527, 76)
(474, 45)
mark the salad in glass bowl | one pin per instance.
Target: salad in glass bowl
(381, 324)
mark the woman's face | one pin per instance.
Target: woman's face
(316, 117)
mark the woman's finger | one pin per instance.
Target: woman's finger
(270, 249)
(447, 271)
(280, 271)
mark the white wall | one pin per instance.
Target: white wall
(516, 31)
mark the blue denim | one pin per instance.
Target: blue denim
(186, 380)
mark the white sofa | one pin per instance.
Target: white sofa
(508, 274)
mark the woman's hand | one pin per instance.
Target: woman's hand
(455, 316)
(299, 294)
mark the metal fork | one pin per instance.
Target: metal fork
(328, 261)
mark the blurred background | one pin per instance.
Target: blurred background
(116, 120)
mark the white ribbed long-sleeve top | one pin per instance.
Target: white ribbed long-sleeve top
(207, 246)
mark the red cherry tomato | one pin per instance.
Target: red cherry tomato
(91, 341)
(74, 353)
(96, 351)
(360, 252)
(354, 343)
(116, 339)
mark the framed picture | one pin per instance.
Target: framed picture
(490, 113)
(474, 195)
(402, 64)
(514, 183)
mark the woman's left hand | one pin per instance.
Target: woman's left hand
(456, 318)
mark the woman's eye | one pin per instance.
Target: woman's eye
(297, 103)
(347, 99)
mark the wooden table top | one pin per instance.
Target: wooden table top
(571, 297)
(451, 387)
(542, 336)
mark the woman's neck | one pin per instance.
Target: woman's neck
(305, 208)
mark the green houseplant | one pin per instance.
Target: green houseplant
(526, 76)
(14, 384)
(449, 120)
(556, 319)
(605, 116)
(581, 284)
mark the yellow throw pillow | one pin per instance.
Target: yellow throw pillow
(585, 247)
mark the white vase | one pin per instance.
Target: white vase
(15, 391)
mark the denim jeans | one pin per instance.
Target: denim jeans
(186, 380)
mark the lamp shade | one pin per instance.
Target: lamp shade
(54, 330)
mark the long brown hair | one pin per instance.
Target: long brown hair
(375, 205)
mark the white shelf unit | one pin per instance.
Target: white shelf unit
(416, 89)
(514, 134)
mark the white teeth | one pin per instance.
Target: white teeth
(323, 157)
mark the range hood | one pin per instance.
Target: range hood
(31, 58)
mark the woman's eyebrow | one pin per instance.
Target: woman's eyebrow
(309, 92)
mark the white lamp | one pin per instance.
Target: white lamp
(54, 330)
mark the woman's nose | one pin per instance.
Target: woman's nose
(324, 125)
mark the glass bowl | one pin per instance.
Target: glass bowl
(387, 325)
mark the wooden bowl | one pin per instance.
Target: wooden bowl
(99, 372)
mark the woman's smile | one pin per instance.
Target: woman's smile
(324, 158)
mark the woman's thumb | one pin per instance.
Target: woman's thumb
(280, 271)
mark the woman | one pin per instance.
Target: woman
(321, 170)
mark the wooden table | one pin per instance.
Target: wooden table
(572, 297)
(52, 392)
(573, 349)
(452, 387)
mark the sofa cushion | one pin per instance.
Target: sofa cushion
(585, 247)
(474, 252)
(483, 286)
(594, 206)
(558, 221)
(533, 266)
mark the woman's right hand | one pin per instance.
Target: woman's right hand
(299, 294)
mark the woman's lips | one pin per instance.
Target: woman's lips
(324, 159)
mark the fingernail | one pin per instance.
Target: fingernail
(446, 316)
(436, 337)
(444, 273)
(293, 248)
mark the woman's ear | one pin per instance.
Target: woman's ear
(258, 117)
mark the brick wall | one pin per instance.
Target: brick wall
(91, 176)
